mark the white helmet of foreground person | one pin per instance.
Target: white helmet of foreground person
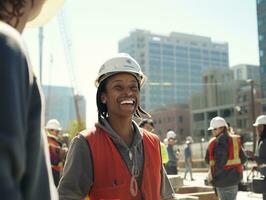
(53, 124)
(120, 63)
(217, 122)
(170, 135)
(47, 12)
(260, 120)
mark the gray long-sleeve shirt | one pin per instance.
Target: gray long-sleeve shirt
(77, 178)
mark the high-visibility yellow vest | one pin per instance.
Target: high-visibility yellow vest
(234, 153)
(164, 153)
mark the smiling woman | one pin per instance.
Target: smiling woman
(116, 159)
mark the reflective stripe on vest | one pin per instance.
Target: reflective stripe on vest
(234, 149)
(111, 174)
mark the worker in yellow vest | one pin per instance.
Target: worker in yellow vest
(225, 158)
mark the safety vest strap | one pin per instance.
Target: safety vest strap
(234, 145)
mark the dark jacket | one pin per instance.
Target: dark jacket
(23, 148)
(171, 156)
(260, 153)
(221, 177)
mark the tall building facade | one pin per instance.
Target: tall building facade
(246, 72)
(59, 104)
(261, 21)
(223, 96)
(173, 64)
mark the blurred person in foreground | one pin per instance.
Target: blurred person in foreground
(24, 161)
(56, 149)
(171, 166)
(225, 158)
(116, 159)
(149, 126)
(260, 153)
(188, 160)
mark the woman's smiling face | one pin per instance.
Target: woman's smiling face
(122, 95)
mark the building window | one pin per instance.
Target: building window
(198, 117)
(226, 113)
(212, 115)
(261, 53)
(259, 1)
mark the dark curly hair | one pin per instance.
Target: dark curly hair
(263, 134)
(16, 5)
(102, 108)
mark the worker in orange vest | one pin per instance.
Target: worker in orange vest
(56, 149)
(225, 158)
(116, 159)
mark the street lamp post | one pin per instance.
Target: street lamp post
(252, 109)
(201, 147)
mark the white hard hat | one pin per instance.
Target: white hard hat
(217, 122)
(120, 63)
(260, 120)
(53, 124)
(170, 134)
(48, 11)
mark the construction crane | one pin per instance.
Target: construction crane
(61, 18)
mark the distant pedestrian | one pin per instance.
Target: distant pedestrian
(171, 166)
(225, 158)
(178, 158)
(188, 160)
(25, 172)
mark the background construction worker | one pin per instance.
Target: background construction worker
(188, 160)
(149, 126)
(116, 159)
(225, 158)
(57, 152)
(171, 166)
(24, 170)
(260, 154)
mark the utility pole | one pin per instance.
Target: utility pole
(252, 109)
(40, 51)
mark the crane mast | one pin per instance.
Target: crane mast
(69, 61)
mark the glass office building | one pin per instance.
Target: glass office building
(261, 21)
(173, 64)
(59, 104)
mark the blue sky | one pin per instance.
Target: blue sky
(95, 27)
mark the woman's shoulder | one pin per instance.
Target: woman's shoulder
(11, 38)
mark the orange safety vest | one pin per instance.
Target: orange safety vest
(111, 174)
(54, 147)
(234, 154)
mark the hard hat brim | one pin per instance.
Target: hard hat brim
(141, 79)
(47, 12)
